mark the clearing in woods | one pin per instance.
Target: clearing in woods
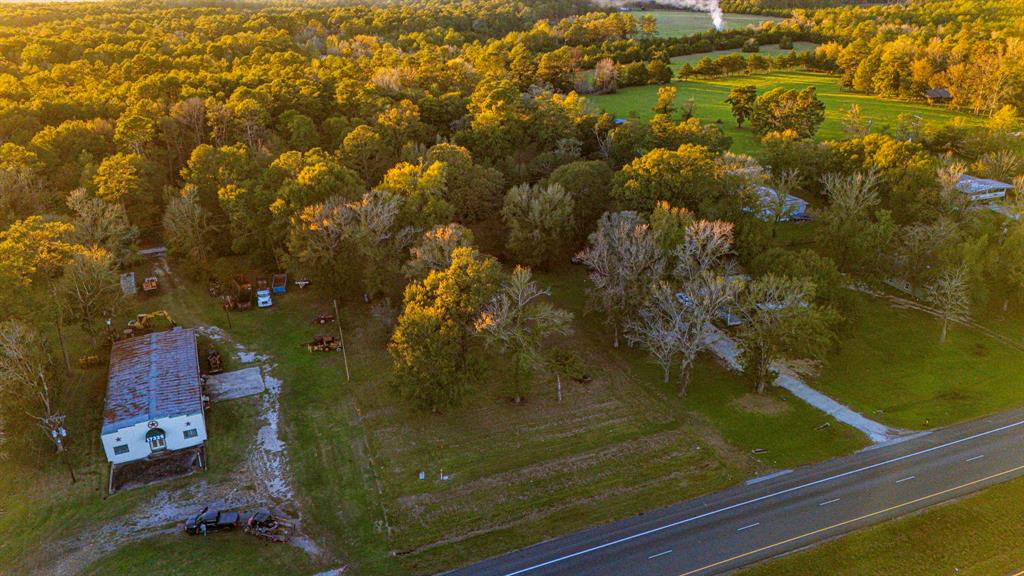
(709, 104)
(673, 23)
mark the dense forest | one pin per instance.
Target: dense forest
(371, 146)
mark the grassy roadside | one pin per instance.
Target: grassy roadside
(891, 367)
(980, 535)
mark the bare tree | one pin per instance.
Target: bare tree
(776, 206)
(89, 289)
(191, 113)
(950, 295)
(517, 320)
(675, 319)
(854, 124)
(659, 327)
(434, 249)
(703, 289)
(952, 201)
(26, 383)
(104, 224)
(625, 260)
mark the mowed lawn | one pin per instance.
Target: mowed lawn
(766, 50)
(673, 23)
(981, 535)
(891, 367)
(709, 104)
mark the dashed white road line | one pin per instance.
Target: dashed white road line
(827, 502)
(905, 479)
(690, 519)
(973, 458)
(748, 526)
(659, 554)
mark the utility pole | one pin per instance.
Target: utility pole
(341, 335)
(60, 328)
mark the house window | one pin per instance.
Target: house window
(191, 433)
(121, 449)
(157, 439)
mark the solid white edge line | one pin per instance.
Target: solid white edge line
(748, 526)
(829, 502)
(973, 458)
(905, 479)
(659, 554)
(759, 499)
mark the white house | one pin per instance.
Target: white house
(979, 189)
(768, 198)
(154, 402)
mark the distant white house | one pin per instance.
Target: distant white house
(154, 401)
(980, 189)
(793, 207)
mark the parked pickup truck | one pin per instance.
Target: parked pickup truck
(211, 521)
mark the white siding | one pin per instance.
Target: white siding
(135, 437)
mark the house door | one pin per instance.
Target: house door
(157, 439)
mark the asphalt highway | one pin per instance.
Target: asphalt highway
(785, 511)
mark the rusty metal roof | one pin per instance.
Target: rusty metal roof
(152, 376)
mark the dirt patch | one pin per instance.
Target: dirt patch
(761, 404)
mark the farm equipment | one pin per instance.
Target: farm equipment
(145, 323)
(264, 525)
(323, 318)
(279, 283)
(324, 343)
(211, 521)
(88, 361)
(150, 284)
(214, 287)
(213, 360)
(242, 297)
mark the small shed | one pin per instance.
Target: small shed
(938, 95)
(154, 401)
(979, 189)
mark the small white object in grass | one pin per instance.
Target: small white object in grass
(423, 475)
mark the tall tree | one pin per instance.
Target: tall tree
(742, 98)
(779, 321)
(516, 322)
(540, 222)
(430, 346)
(781, 109)
(855, 231)
(188, 231)
(949, 294)
(90, 290)
(27, 382)
(434, 249)
(101, 223)
(625, 260)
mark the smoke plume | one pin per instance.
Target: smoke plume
(709, 6)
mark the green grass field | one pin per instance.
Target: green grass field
(981, 535)
(766, 50)
(709, 104)
(891, 367)
(673, 23)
